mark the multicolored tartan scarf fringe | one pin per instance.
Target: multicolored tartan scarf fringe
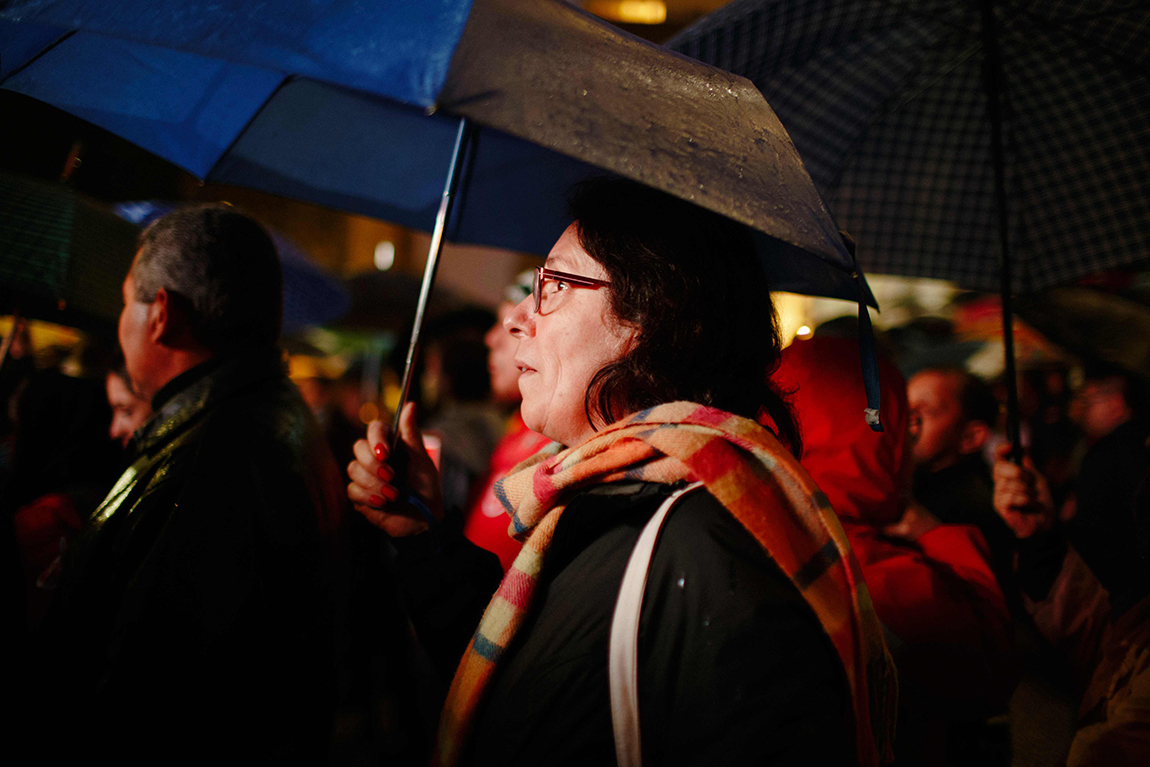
(746, 469)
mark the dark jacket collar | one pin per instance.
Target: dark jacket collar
(184, 380)
(186, 396)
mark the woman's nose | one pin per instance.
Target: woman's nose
(521, 320)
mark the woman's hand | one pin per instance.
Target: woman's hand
(373, 488)
(1021, 495)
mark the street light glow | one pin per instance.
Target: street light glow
(629, 11)
(384, 255)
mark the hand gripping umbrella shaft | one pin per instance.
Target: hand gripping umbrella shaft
(433, 252)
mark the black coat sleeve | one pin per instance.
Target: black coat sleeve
(447, 582)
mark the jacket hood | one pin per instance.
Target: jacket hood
(863, 473)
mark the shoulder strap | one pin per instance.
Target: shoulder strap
(623, 652)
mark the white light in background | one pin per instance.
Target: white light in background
(384, 255)
(794, 312)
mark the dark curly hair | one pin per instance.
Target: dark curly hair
(692, 284)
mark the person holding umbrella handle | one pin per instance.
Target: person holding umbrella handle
(676, 556)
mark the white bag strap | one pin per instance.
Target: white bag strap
(623, 652)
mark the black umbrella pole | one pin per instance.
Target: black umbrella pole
(992, 81)
(429, 270)
(1013, 431)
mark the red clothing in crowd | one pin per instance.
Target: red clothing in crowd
(487, 522)
(43, 529)
(938, 594)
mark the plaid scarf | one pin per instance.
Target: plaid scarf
(761, 484)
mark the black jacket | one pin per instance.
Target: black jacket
(195, 619)
(734, 666)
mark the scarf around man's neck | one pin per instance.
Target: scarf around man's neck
(745, 468)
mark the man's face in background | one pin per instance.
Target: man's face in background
(129, 412)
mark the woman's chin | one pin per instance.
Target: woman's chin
(531, 418)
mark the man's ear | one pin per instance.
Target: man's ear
(160, 328)
(973, 436)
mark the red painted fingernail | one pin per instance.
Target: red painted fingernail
(385, 473)
(375, 500)
(380, 451)
(389, 492)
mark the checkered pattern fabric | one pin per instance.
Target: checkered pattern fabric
(35, 237)
(762, 485)
(886, 103)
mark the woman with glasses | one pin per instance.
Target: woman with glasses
(684, 593)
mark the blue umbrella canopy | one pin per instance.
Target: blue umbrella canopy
(356, 105)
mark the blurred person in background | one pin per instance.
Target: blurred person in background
(201, 588)
(486, 522)
(1110, 405)
(64, 463)
(14, 372)
(129, 411)
(333, 395)
(1055, 434)
(457, 390)
(1101, 628)
(952, 412)
(374, 715)
(932, 584)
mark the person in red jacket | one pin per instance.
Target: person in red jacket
(932, 584)
(486, 521)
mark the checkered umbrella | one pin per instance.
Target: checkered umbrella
(887, 102)
(961, 139)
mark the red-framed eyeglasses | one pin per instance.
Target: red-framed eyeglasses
(575, 280)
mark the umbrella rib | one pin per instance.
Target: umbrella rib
(1084, 16)
(37, 57)
(255, 116)
(1066, 29)
(911, 11)
(942, 72)
(880, 114)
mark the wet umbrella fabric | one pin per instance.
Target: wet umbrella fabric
(887, 104)
(1094, 324)
(63, 257)
(328, 102)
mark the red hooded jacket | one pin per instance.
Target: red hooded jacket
(937, 594)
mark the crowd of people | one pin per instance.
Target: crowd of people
(646, 532)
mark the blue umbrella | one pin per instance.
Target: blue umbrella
(368, 107)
